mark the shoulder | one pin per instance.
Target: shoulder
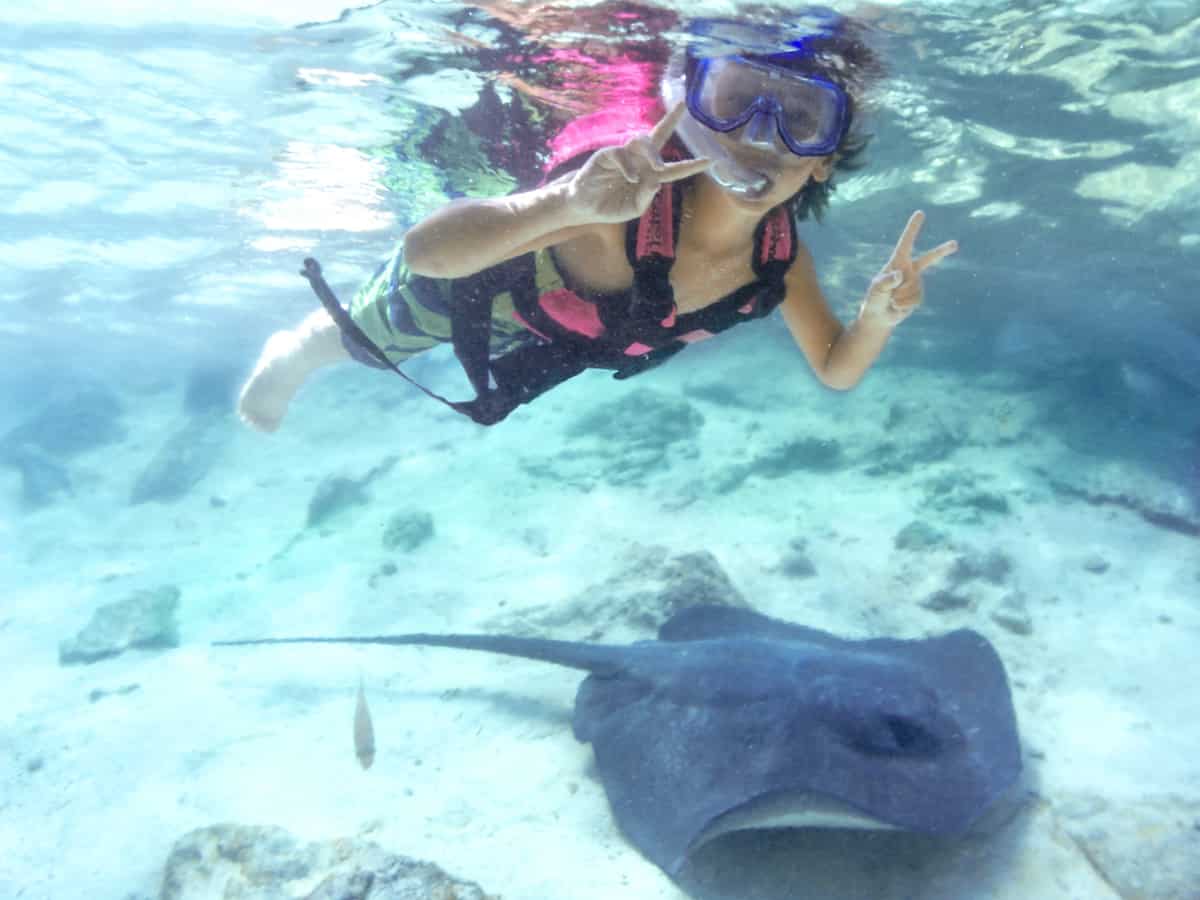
(803, 270)
(806, 312)
(803, 295)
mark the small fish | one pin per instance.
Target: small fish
(364, 731)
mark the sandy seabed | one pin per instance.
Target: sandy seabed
(1092, 607)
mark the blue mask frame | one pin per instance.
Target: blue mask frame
(769, 104)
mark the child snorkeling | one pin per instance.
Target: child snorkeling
(650, 244)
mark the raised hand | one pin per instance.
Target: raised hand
(617, 183)
(896, 291)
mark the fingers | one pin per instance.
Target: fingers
(623, 163)
(639, 162)
(903, 294)
(903, 252)
(906, 296)
(676, 171)
(642, 156)
(900, 288)
(895, 293)
(935, 256)
(665, 127)
(902, 255)
(891, 298)
(886, 281)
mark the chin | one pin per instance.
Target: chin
(759, 204)
(762, 202)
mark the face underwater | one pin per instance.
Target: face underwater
(768, 129)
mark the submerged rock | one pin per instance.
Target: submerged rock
(915, 437)
(211, 389)
(335, 495)
(724, 393)
(796, 563)
(1162, 502)
(945, 600)
(338, 493)
(81, 418)
(918, 535)
(648, 589)
(782, 460)
(643, 417)
(42, 477)
(182, 462)
(408, 530)
(1013, 614)
(622, 442)
(891, 457)
(955, 495)
(994, 567)
(73, 421)
(145, 620)
(269, 863)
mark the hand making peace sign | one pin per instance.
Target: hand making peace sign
(617, 183)
(896, 291)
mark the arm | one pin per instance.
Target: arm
(839, 355)
(467, 236)
(616, 184)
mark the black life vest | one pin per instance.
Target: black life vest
(629, 332)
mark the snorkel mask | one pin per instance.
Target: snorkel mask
(765, 97)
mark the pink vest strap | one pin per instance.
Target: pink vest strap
(572, 312)
(777, 237)
(656, 237)
(656, 228)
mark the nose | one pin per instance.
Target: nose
(760, 130)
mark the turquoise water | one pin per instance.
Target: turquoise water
(164, 174)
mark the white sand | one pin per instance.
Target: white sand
(476, 768)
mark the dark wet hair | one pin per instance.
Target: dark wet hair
(509, 137)
(839, 52)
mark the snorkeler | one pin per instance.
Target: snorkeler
(645, 247)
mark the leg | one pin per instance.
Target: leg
(287, 360)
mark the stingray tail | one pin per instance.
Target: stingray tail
(601, 659)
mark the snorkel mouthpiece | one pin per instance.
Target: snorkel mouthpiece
(748, 190)
(732, 176)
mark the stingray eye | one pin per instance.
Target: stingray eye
(882, 722)
(889, 734)
(910, 737)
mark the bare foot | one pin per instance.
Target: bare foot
(276, 378)
(287, 360)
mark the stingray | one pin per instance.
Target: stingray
(732, 720)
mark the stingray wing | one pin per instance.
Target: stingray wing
(918, 735)
(708, 622)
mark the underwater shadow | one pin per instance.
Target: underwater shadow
(850, 864)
